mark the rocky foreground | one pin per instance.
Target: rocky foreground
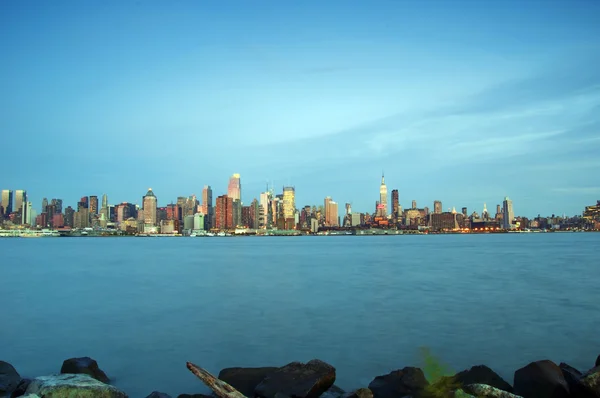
(82, 378)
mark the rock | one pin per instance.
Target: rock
(29, 396)
(245, 380)
(461, 394)
(481, 374)
(158, 394)
(573, 378)
(84, 365)
(597, 361)
(591, 381)
(298, 380)
(333, 392)
(72, 385)
(541, 379)
(195, 396)
(360, 393)
(21, 388)
(9, 378)
(399, 383)
(486, 391)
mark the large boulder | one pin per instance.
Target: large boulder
(195, 396)
(360, 393)
(72, 385)
(298, 380)
(333, 392)
(541, 379)
(591, 381)
(573, 378)
(245, 380)
(9, 378)
(486, 391)
(481, 374)
(21, 388)
(409, 381)
(158, 394)
(84, 365)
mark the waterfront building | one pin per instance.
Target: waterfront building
(254, 214)
(237, 212)
(188, 223)
(7, 201)
(508, 213)
(26, 213)
(207, 207)
(69, 220)
(289, 202)
(224, 212)
(266, 217)
(331, 213)
(58, 221)
(149, 203)
(357, 219)
(445, 221)
(592, 213)
(437, 207)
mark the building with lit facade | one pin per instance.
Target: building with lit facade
(289, 202)
(234, 189)
(508, 213)
(149, 203)
(382, 206)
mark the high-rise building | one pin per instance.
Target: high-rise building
(508, 216)
(20, 199)
(93, 205)
(437, 207)
(464, 212)
(382, 208)
(69, 219)
(266, 211)
(26, 213)
(44, 205)
(395, 204)
(7, 201)
(85, 202)
(332, 214)
(234, 189)
(414, 204)
(237, 212)
(289, 202)
(149, 203)
(104, 201)
(224, 212)
(207, 207)
(58, 205)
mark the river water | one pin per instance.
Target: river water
(142, 307)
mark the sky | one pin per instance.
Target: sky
(464, 102)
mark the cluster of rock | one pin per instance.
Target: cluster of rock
(82, 378)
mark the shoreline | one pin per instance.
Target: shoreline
(83, 377)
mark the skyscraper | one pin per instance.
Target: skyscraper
(104, 201)
(507, 209)
(382, 208)
(289, 202)
(44, 204)
(395, 204)
(331, 214)
(207, 207)
(20, 199)
(437, 207)
(93, 205)
(7, 201)
(266, 216)
(149, 207)
(26, 213)
(234, 189)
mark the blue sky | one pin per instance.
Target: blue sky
(463, 101)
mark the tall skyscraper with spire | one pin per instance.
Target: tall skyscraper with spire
(149, 208)
(382, 207)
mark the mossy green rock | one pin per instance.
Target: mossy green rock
(72, 386)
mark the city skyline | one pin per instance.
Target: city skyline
(320, 96)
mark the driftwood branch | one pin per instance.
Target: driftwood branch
(219, 387)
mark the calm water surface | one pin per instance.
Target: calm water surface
(143, 307)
